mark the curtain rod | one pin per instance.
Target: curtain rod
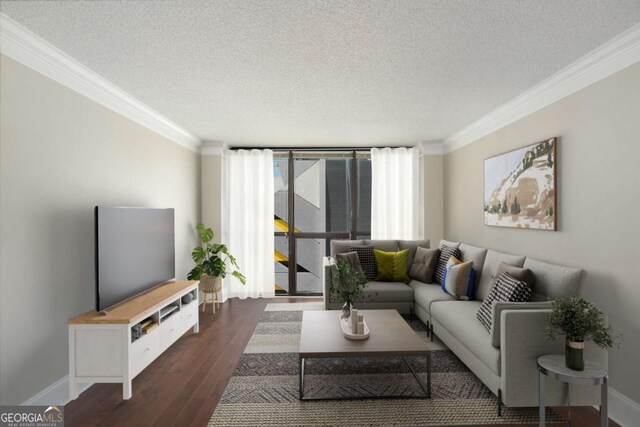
(312, 148)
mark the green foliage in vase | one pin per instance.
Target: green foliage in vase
(580, 321)
(211, 258)
(346, 282)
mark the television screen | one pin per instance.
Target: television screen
(135, 251)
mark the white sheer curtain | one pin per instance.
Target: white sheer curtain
(248, 221)
(396, 194)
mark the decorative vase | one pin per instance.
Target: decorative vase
(574, 355)
(346, 310)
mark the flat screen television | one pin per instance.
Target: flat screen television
(135, 251)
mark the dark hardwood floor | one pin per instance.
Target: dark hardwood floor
(183, 386)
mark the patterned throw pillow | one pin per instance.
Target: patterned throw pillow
(507, 289)
(392, 266)
(460, 279)
(446, 252)
(367, 260)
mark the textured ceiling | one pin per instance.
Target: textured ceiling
(325, 72)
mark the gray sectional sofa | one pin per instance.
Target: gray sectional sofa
(503, 358)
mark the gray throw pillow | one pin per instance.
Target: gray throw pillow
(353, 260)
(351, 257)
(523, 274)
(424, 264)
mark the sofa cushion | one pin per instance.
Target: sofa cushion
(552, 280)
(392, 266)
(520, 273)
(424, 294)
(459, 319)
(367, 260)
(474, 254)
(351, 258)
(386, 292)
(446, 252)
(508, 289)
(424, 264)
(499, 306)
(491, 263)
(383, 245)
(460, 279)
(342, 246)
(412, 245)
(448, 243)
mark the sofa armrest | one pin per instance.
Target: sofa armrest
(499, 306)
(522, 341)
(327, 262)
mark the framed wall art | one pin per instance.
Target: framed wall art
(520, 187)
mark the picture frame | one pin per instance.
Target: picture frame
(520, 187)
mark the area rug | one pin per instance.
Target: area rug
(263, 390)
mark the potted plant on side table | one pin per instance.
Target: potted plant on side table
(347, 282)
(211, 263)
(580, 321)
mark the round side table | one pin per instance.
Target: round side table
(594, 374)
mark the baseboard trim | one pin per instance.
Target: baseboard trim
(56, 394)
(623, 410)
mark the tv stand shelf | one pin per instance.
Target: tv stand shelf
(101, 349)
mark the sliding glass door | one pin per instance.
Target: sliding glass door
(319, 196)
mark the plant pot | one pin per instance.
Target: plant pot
(346, 310)
(574, 355)
(210, 284)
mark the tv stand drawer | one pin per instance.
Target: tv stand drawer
(144, 351)
(188, 316)
(169, 331)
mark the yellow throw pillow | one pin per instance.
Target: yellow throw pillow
(392, 266)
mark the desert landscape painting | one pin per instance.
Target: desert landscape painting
(520, 187)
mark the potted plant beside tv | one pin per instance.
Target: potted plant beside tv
(580, 321)
(211, 263)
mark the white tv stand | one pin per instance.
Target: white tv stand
(103, 348)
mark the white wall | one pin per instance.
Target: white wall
(60, 155)
(212, 193)
(598, 202)
(433, 198)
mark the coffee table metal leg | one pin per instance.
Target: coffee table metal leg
(604, 412)
(427, 389)
(301, 378)
(541, 397)
(429, 373)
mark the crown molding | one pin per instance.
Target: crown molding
(212, 148)
(615, 55)
(431, 148)
(31, 50)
